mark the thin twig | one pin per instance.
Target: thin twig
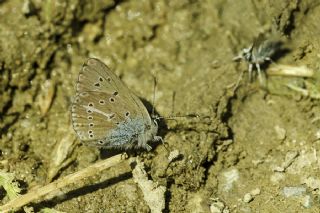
(60, 183)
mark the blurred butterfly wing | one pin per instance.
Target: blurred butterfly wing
(266, 47)
(257, 44)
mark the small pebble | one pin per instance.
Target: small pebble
(280, 132)
(255, 192)
(277, 177)
(218, 207)
(317, 134)
(230, 177)
(313, 183)
(306, 201)
(173, 155)
(294, 191)
(27, 7)
(247, 198)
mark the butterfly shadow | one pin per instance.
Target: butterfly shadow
(280, 51)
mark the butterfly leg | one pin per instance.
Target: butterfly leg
(237, 58)
(250, 71)
(260, 75)
(124, 156)
(158, 138)
(147, 147)
(269, 59)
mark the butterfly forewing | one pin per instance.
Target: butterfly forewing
(133, 102)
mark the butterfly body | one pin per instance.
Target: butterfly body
(107, 114)
(132, 133)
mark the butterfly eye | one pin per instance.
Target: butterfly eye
(102, 102)
(91, 124)
(100, 142)
(90, 117)
(97, 84)
(100, 79)
(91, 136)
(90, 104)
(111, 100)
(109, 79)
(115, 93)
(127, 114)
(89, 111)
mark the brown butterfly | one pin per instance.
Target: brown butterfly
(105, 113)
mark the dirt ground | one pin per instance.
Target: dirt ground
(251, 149)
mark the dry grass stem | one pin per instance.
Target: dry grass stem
(288, 70)
(60, 183)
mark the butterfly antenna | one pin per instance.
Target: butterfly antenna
(179, 116)
(173, 102)
(154, 95)
(156, 117)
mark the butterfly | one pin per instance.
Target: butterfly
(106, 114)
